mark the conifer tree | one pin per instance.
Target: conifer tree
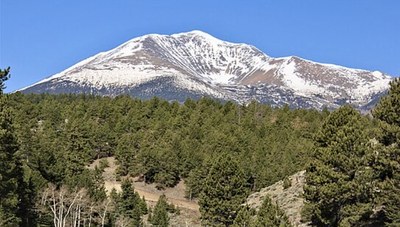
(194, 182)
(10, 169)
(14, 207)
(225, 189)
(338, 188)
(270, 215)
(4, 76)
(126, 153)
(74, 155)
(129, 205)
(160, 217)
(95, 185)
(386, 160)
(244, 218)
(387, 111)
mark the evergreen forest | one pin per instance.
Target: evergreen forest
(222, 151)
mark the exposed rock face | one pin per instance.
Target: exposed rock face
(195, 64)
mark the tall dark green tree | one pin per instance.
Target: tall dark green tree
(386, 161)
(387, 111)
(126, 153)
(338, 190)
(194, 182)
(14, 208)
(4, 76)
(10, 168)
(225, 189)
(129, 204)
(74, 154)
(160, 216)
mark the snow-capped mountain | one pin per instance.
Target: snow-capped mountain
(196, 64)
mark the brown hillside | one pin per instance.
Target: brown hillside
(290, 200)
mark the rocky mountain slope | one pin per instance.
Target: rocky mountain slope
(195, 64)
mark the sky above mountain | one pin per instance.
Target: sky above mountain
(41, 38)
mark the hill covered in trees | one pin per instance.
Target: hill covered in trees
(223, 151)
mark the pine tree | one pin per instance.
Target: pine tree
(244, 218)
(225, 189)
(10, 169)
(126, 153)
(95, 185)
(338, 188)
(194, 182)
(386, 161)
(270, 215)
(387, 111)
(129, 204)
(160, 216)
(14, 192)
(4, 76)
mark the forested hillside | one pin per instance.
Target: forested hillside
(163, 142)
(223, 152)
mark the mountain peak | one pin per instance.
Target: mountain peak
(196, 32)
(195, 64)
(193, 33)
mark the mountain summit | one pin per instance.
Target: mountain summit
(196, 64)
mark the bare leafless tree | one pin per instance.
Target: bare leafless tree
(104, 206)
(74, 208)
(65, 205)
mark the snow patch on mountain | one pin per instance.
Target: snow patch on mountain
(365, 89)
(198, 62)
(297, 83)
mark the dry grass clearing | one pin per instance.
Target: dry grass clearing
(189, 209)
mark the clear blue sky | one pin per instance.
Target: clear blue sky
(41, 38)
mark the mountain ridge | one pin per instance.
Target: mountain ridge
(195, 64)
